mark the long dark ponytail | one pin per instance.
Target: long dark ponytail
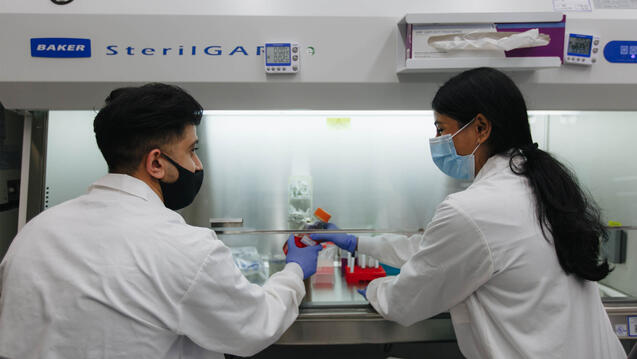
(570, 216)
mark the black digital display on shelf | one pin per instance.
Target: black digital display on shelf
(580, 45)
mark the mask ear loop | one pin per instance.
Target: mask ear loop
(170, 160)
(463, 127)
(475, 149)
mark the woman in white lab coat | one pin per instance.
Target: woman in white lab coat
(515, 256)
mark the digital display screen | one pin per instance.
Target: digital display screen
(579, 46)
(278, 55)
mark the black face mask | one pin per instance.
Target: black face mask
(182, 192)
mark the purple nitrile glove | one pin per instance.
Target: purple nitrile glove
(345, 241)
(305, 257)
(363, 292)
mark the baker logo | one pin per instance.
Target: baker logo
(60, 47)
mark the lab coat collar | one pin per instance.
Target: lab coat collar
(128, 184)
(494, 164)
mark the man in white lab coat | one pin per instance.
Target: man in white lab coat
(117, 273)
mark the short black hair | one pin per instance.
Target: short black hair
(135, 120)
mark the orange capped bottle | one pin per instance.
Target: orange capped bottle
(321, 218)
(303, 239)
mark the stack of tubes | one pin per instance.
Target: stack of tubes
(364, 261)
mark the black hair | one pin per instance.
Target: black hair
(136, 120)
(568, 213)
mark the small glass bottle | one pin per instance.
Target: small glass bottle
(321, 217)
(303, 240)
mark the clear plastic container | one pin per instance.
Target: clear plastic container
(299, 201)
(250, 264)
(324, 276)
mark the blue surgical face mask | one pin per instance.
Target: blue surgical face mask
(443, 152)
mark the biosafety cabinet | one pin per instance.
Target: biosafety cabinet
(311, 107)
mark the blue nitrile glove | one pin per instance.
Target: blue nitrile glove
(363, 292)
(345, 241)
(305, 257)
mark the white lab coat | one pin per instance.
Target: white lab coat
(483, 258)
(115, 274)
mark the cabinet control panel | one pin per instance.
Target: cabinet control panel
(282, 58)
(582, 49)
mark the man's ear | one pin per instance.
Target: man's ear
(154, 167)
(483, 128)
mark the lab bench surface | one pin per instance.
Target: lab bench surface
(336, 314)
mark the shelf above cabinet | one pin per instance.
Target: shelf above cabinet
(530, 58)
(460, 64)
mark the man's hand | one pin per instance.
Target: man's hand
(304, 257)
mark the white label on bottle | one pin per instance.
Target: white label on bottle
(307, 241)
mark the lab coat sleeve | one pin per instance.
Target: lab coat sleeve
(453, 260)
(223, 312)
(392, 249)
